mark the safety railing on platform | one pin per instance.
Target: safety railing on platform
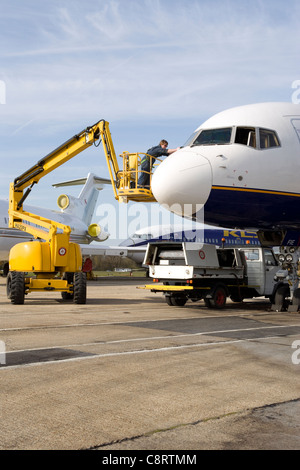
(128, 179)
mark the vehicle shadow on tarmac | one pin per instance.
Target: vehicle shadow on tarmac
(262, 307)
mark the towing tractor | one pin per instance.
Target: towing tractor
(196, 271)
(51, 262)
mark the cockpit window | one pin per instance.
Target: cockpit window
(250, 136)
(296, 125)
(268, 139)
(245, 136)
(214, 137)
(191, 139)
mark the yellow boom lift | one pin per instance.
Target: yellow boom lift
(55, 261)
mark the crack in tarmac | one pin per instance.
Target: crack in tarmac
(193, 423)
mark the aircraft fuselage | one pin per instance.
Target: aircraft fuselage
(242, 166)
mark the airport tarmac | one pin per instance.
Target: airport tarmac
(128, 372)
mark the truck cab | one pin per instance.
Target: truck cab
(262, 266)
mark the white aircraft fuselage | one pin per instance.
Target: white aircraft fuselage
(242, 165)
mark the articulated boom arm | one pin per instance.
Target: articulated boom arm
(50, 162)
(124, 183)
(47, 229)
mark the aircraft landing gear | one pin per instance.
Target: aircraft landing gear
(287, 296)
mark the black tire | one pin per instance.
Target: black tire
(168, 299)
(8, 285)
(295, 305)
(5, 269)
(219, 297)
(296, 295)
(70, 278)
(15, 287)
(280, 299)
(67, 296)
(178, 301)
(79, 288)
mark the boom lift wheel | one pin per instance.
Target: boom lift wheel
(15, 287)
(67, 295)
(79, 288)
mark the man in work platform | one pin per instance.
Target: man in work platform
(146, 164)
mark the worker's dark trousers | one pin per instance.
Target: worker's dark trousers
(144, 179)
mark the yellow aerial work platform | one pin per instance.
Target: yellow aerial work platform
(127, 184)
(125, 180)
(54, 260)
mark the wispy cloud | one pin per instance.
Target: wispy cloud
(66, 64)
(132, 57)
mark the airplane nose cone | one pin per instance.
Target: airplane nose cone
(182, 182)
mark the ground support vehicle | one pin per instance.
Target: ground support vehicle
(200, 271)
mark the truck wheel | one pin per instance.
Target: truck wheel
(280, 298)
(168, 299)
(178, 301)
(79, 288)
(15, 287)
(218, 299)
(295, 305)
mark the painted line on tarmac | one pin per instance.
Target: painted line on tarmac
(89, 356)
(125, 322)
(151, 338)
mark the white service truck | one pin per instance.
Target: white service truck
(196, 271)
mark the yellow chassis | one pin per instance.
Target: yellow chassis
(60, 285)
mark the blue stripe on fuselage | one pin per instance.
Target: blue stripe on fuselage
(247, 207)
(211, 236)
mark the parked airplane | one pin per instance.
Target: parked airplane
(135, 246)
(77, 212)
(243, 166)
(198, 234)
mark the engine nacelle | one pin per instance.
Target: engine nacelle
(96, 232)
(64, 201)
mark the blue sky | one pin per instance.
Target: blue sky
(153, 68)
